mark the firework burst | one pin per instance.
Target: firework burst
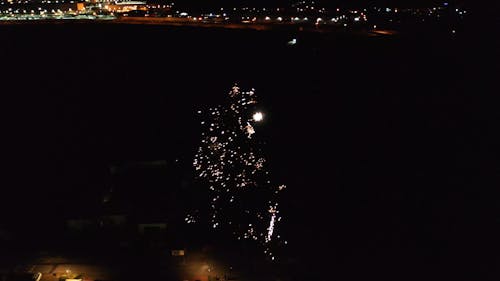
(231, 163)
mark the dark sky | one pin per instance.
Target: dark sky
(393, 143)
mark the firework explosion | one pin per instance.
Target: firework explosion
(231, 164)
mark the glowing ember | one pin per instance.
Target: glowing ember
(258, 116)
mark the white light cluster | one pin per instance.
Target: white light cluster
(190, 219)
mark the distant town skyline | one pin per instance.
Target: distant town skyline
(335, 3)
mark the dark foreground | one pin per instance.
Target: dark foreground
(388, 145)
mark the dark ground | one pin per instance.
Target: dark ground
(388, 145)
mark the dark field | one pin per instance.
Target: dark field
(388, 145)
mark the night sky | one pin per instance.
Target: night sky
(388, 146)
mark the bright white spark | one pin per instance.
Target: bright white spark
(250, 130)
(270, 229)
(258, 116)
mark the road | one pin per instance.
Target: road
(193, 266)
